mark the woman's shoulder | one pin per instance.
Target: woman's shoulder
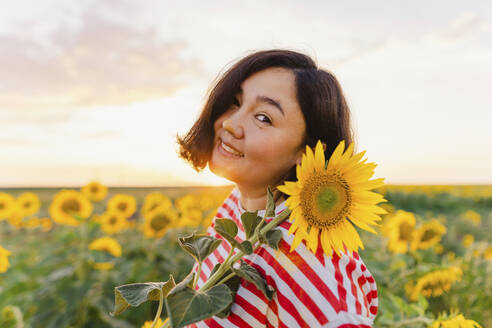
(342, 281)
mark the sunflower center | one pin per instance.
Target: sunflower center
(159, 222)
(405, 231)
(325, 199)
(2, 206)
(70, 205)
(122, 206)
(428, 235)
(113, 220)
(94, 189)
(27, 204)
(153, 206)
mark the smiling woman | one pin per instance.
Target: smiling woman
(253, 130)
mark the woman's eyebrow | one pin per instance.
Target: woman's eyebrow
(267, 100)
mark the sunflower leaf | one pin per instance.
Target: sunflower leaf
(129, 295)
(185, 305)
(227, 228)
(270, 205)
(233, 284)
(250, 221)
(199, 246)
(273, 238)
(249, 273)
(246, 247)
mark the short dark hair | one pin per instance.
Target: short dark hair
(319, 95)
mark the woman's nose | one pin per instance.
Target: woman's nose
(235, 129)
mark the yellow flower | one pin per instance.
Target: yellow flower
(399, 228)
(472, 216)
(434, 283)
(125, 204)
(468, 240)
(113, 222)
(16, 218)
(69, 202)
(4, 259)
(106, 244)
(153, 200)
(487, 254)
(94, 191)
(190, 218)
(29, 203)
(103, 266)
(7, 204)
(32, 222)
(454, 321)
(148, 324)
(158, 221)
(438, 249)
(46, 224)
(427, 235)
(328, 197)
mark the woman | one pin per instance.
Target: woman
(253, 129)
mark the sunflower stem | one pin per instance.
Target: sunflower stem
(232, 259)
(159, 310)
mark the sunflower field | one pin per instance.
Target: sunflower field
(62, 252)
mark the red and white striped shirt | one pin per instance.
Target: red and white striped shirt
(312, 290)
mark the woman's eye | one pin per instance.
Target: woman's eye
(263, 118)
(235, 102)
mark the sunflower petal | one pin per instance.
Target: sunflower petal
(336, 155)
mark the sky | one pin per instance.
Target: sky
(99, 89)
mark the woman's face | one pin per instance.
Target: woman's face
(257, 142)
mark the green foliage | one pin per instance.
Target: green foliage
(135, 294)
(52, 281)
(199, 246)
(185, 305)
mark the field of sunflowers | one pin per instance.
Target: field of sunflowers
(62, 252)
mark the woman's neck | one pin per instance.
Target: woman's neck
(255, 199)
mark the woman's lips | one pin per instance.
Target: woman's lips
(228, 151)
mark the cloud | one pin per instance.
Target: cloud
(100, 62)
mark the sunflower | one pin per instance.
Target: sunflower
(94, 191)
(29, 203)
(329, 196)
(487, 254)
(472, 216)
(454, 320)
(106, 244)
(468, 240)
(434, 283)
(69, 202)
(16, 217)
(125, 204)
(102, 266)
(4, 259)
(46, 224)
(158, 221)
(113, 222)
(7, 204)
(154, 200)
(190, 218)
(399, 228)
(427, 235)
(148, 324)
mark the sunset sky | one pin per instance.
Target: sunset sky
(99, 89)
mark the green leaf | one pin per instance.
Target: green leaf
(199, 246)
(246, 247)
(273, 238)
(270, 205)
(250, 221)
(185, 305)
(249, 273)
(135, 294)
(227, 228)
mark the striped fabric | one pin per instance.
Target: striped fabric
(312, 290)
